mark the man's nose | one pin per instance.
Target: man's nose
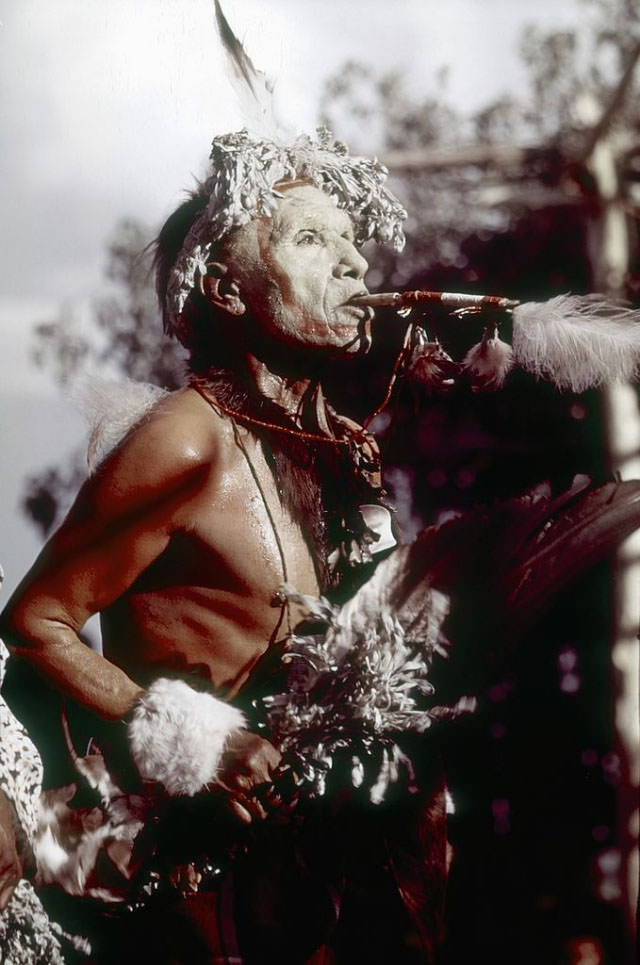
(350, 263)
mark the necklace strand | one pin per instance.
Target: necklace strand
(281, 599)
(243, 417)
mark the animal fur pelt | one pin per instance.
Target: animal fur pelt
(177, 735)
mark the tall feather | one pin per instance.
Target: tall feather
(252, 87)
(578, 341)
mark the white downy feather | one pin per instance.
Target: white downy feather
(111, 409)
(577, 341)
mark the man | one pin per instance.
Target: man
(242, 481)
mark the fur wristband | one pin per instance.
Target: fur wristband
(177, 735)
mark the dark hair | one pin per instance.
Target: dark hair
(169, 242)
(204, 329)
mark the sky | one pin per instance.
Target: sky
(107, 109)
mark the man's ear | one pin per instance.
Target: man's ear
(222, 291)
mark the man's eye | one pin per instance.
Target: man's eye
(309, 238)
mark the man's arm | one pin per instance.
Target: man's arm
(121, 521)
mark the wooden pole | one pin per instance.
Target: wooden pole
(611, 243)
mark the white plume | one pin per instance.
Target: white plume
(111, 409)
(578, 341)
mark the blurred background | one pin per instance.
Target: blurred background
(511, 132)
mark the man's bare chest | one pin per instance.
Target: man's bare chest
(241, 522)
(208, 599)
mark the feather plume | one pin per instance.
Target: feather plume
(252, 86)
(488, 363)
(111, 410)
(578, 341)
(430, 366)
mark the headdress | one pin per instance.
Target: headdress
(244, 172)
(247, 166)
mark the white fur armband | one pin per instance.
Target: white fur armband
(177, 735)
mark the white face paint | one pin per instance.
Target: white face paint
(296, 272)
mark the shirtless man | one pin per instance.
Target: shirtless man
(184, 534)
(240, 482)
(173, 540)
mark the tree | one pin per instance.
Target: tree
(124, 339)
(528, 200)
(478, 174)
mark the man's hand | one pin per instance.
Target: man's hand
(10, 864)
(246, 774)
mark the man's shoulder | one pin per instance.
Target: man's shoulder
(181, 440)
(181, 428)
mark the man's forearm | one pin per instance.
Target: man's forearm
(56, 651)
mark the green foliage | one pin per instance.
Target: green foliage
(47, 494)
(379, 115)
(129, 317)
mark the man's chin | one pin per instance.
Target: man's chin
(355, 340)
(350, 341)
(361, 345)
(354, 348)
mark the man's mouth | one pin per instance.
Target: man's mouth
(356, 299)
(358, 304)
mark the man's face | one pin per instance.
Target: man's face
(297, 271)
